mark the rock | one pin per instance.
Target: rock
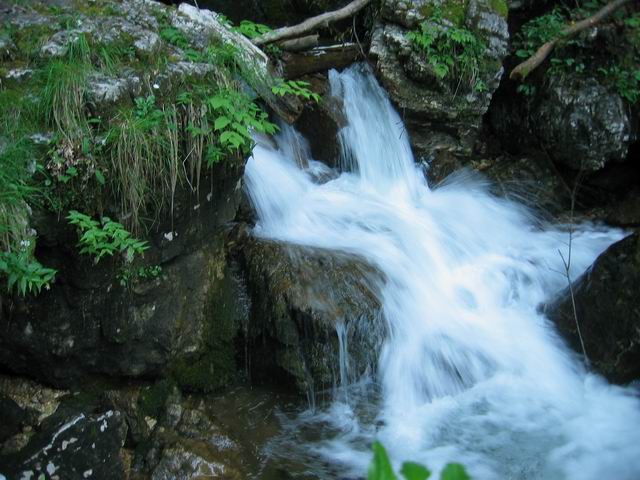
(183, 322)
(320, 124)
(532, 180)
(438, 117)
(303, 300)
(190, 444)
(203, 25)
(582, 123)
(608, 312)
(13, 417)
(80, 446)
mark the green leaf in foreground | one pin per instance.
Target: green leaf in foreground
(454, 471)
(415, 471)
(380, 468)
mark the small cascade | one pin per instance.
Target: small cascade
(469, 370)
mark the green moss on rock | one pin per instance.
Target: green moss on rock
(453, 10)
(501, 7)
(216, 366)
(153, 399)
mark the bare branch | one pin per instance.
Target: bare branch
(521, 71)
(311, 24)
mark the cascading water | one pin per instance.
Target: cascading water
(470, 370)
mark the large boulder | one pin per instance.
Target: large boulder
(316, 315)
(582, 123)
(184, 321)
(608, 312)
(440, 113)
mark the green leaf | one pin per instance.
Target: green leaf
(99, 177)
(415, 471)
(454, 471)
(380, 468)
(221, 122)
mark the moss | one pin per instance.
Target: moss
(29, 39)
(501, 7)
(153, 399)
(453, 10)
(96, 8)
(216, 366)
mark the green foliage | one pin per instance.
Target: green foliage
(381, 469)
(24, 272)
(106, 237)
(236, 116)
(626, 82)
(175, 37)
(128, 274)
(453, 52)
(252, 30)
(537, 32)
(615, 66)
(62, 99)
(501, 7)
(18, 265)
(298, 88)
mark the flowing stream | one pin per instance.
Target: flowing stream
(470, 370)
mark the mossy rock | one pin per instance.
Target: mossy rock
(215, 366)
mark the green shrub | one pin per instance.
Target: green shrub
(452, 51)
(298, 88)
(104, 238)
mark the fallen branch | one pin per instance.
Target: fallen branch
(521, 71)
(299, 44)
(311, 24)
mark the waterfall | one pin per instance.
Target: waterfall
(470, 371)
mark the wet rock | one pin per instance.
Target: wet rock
(531, 180)
(189, 444)
(583, 124)
(183, 322)
(77, 447)
(608, 312)
(305, 302)
(320, 123)
(13, 417)
(438, 116)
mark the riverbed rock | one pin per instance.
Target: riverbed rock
(608, 312)
(79, 446)
(305, 302)
(440, 114)
(188, 443)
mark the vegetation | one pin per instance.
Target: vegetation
(132, 156)
(452, 51)
(298, 88)
(104, 238)
(615, 65)
(381, 469)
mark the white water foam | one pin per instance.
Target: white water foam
(471, 371)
